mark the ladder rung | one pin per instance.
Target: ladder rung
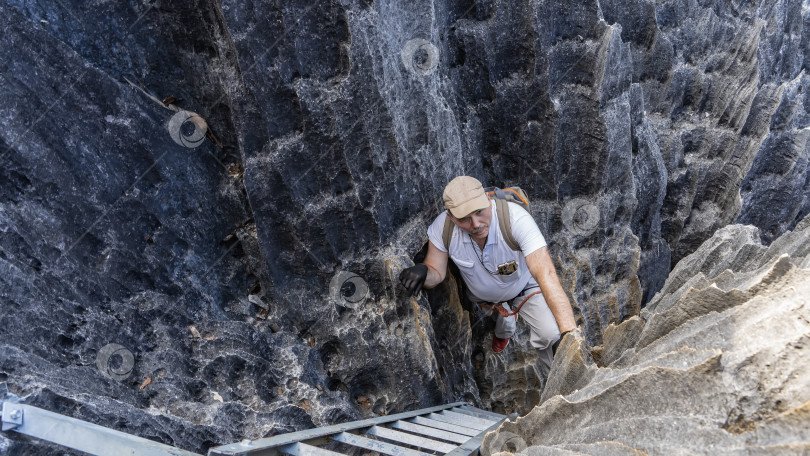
(302, 449)
(469, 418)
(410, 439)
(429, 431)
(457, 422)
(445, 426)
(376, 445)
(480, 413)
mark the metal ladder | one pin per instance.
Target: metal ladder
(454, 429)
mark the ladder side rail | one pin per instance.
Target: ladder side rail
(260, 446)
(80, 435)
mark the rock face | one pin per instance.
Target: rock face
(717, 363)
(251, 274)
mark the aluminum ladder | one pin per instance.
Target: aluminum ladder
(455, 429)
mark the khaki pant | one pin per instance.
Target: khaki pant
(536, 314)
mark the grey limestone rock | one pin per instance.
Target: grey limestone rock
(716, 364)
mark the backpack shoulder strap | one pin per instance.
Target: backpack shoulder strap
(447, 234)
(502, 206)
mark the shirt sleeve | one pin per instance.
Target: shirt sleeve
(525, 230)
(436, 230)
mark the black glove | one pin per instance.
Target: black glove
(414, 277)
(557, 344)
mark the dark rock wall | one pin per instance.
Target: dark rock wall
(638, 129)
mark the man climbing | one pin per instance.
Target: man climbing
(493, 272)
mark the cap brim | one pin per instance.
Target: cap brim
(475, 204)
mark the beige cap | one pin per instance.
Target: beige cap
(464, 195)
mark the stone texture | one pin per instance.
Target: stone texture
(716, 364)
(638, 129)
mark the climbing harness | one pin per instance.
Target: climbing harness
(502, 310)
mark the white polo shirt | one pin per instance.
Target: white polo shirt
(483, 285)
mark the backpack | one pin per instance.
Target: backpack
(502, 197)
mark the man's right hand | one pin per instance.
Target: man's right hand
(413, 278)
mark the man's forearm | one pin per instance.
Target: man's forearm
(544, 272)
(559, 304)
(433, 277)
